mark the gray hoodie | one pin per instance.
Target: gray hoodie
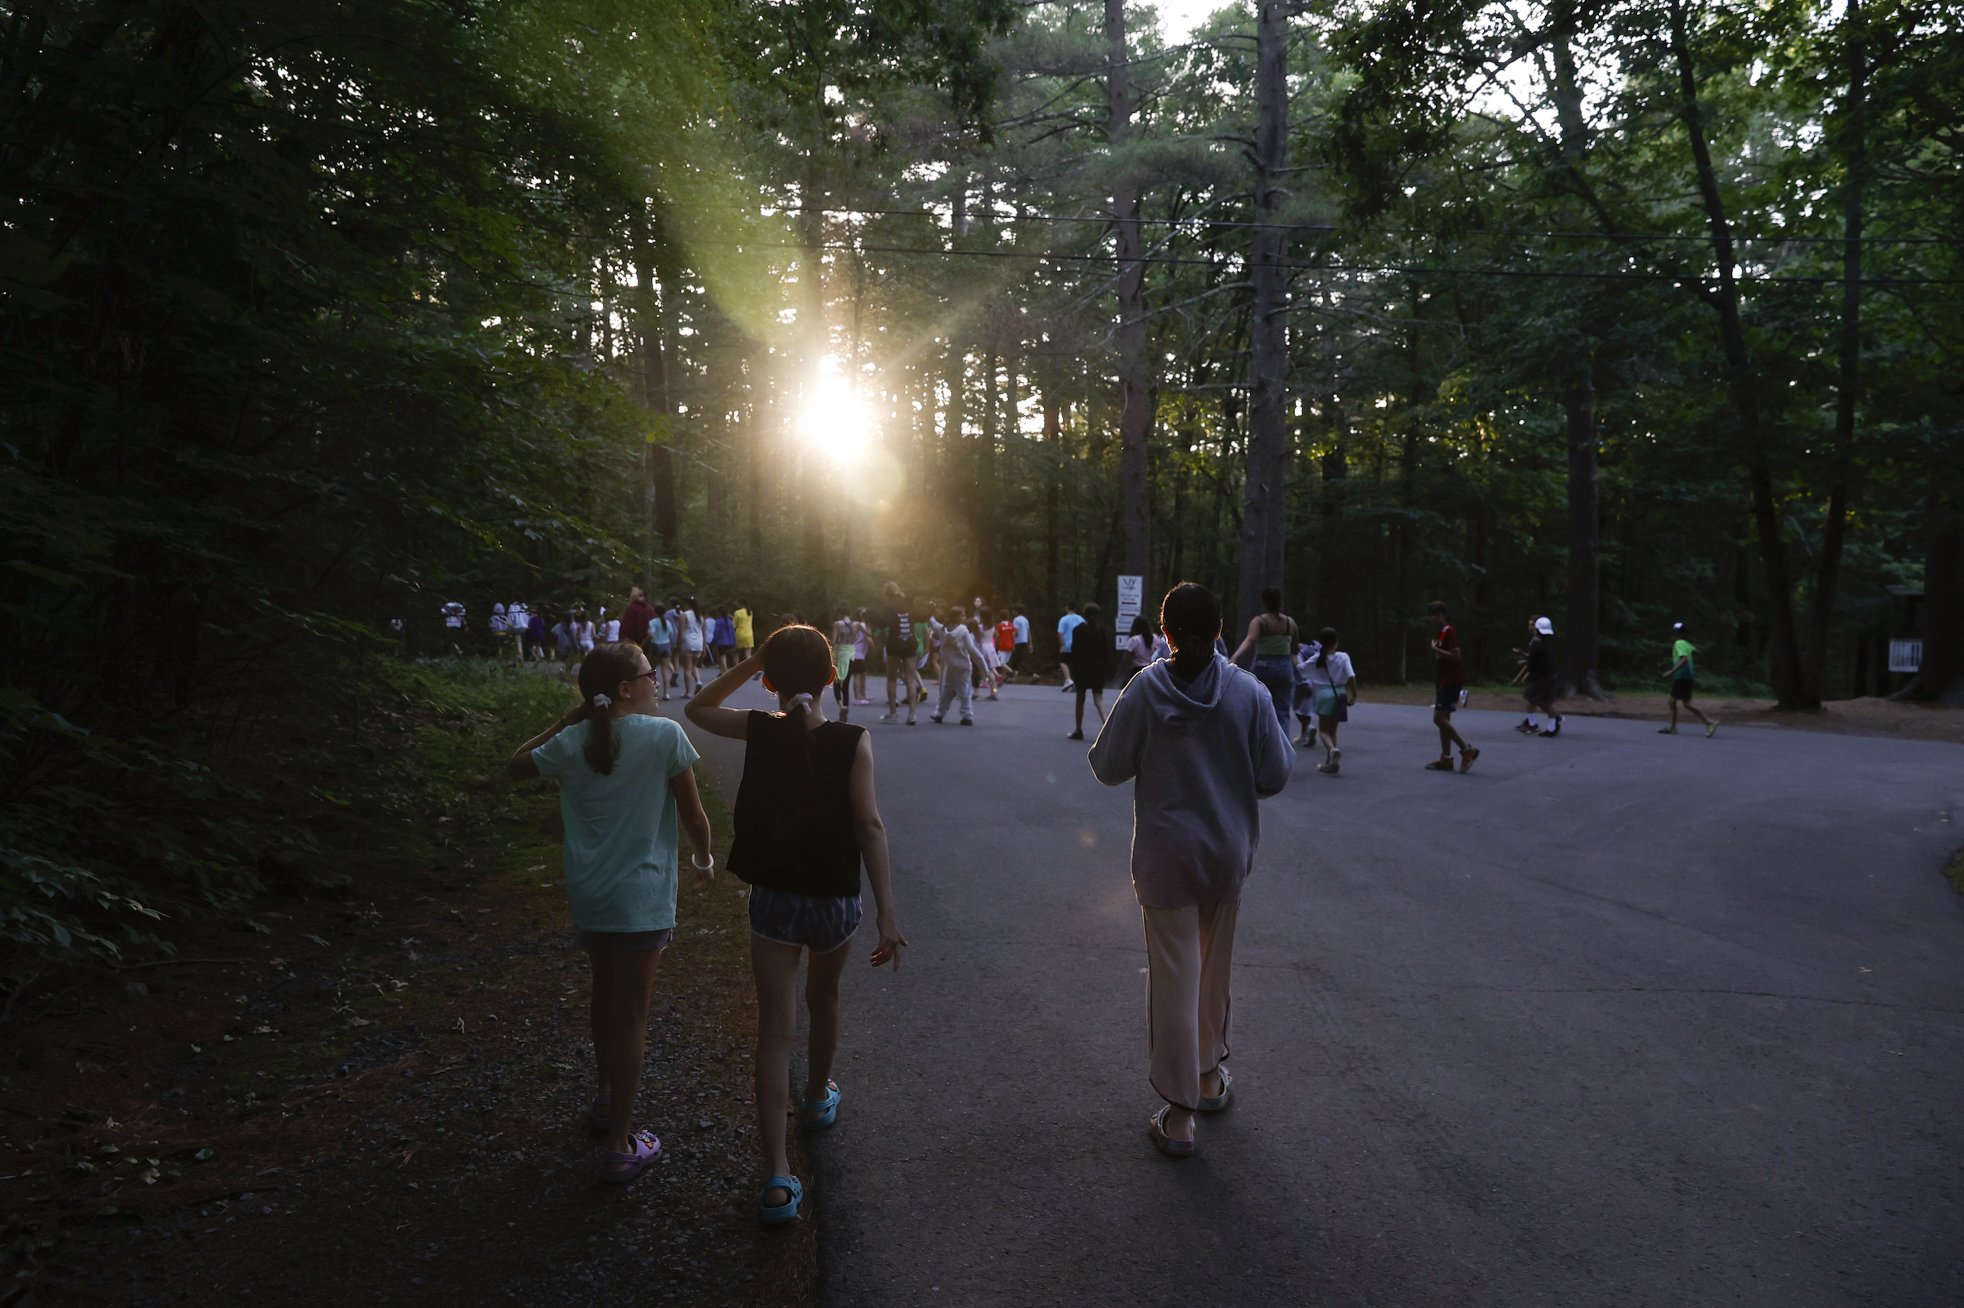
(1202, 753)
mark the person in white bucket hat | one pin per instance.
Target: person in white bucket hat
(1539, 692)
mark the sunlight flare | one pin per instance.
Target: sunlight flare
(838, 422)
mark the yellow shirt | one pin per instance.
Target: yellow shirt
(745, 635)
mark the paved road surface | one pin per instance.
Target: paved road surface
(1616, 1018)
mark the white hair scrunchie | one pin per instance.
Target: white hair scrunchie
(801, 701)
(602, 701)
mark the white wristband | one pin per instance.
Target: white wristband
(710, 866)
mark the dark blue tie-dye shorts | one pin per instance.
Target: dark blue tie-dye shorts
(819, 923)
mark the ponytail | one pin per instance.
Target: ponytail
(601, 673)
(1191, 617)
(1327, 638)
(798, 663)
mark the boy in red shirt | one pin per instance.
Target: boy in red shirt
(1005, 646)
(1448, 679)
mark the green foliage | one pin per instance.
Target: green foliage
(321, 314)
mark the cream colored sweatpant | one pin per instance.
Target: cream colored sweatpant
(1189, 953)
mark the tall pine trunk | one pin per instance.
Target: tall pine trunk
(1841, 467)
(1265, 492)
(1742, 382)
(1134, 369)
(1582, 630)
(1582, 636)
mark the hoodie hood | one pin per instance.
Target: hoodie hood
(1172, 702)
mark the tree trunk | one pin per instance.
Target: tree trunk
(1740, 380)
(1053, 458)
(1582, 635)
(1265, 493)
(658, 513)
(1582, 630)
(1134, 369)
(986, 498)
(1854, 150)
(1334, 605)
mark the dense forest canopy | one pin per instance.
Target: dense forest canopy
(322, 314)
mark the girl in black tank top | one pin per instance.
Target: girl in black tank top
(805, 819)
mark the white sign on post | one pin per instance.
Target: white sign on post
(1131, 602)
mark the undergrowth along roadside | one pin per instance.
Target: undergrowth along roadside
(410, 1047)
(125, 852)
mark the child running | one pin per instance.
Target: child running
(1683, 676)
(805, 819)
(624, 786)
(1202, 739)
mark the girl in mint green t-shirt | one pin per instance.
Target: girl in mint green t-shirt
(626, 788)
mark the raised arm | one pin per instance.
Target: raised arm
(872, 833)
(521, 767)
(706, 709)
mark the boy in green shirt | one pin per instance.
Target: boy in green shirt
(1683, 676)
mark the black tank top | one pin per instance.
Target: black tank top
(793, 820)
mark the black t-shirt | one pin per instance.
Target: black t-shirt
(1091, 653)
(1541, 658)
(900, 631)
(793, 818)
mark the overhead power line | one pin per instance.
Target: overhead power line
(1296, 265)
(1330, 229)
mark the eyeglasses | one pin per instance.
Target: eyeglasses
(651, 672)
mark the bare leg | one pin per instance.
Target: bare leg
(775, 967)
(1448, 736)
(1097, 703)
(622, 984)
(822, 1003)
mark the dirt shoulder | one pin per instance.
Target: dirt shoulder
(379, 1099)
(1859, 717)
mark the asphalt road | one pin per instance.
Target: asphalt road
(1616, 1018)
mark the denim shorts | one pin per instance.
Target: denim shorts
(818, 923)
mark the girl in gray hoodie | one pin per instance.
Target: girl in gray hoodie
(1201, 739)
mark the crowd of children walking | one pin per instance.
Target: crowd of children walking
(1201, 739)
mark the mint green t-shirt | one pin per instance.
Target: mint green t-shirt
(621, 826)
(1683, 649)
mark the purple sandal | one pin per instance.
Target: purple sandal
(621, 1168)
